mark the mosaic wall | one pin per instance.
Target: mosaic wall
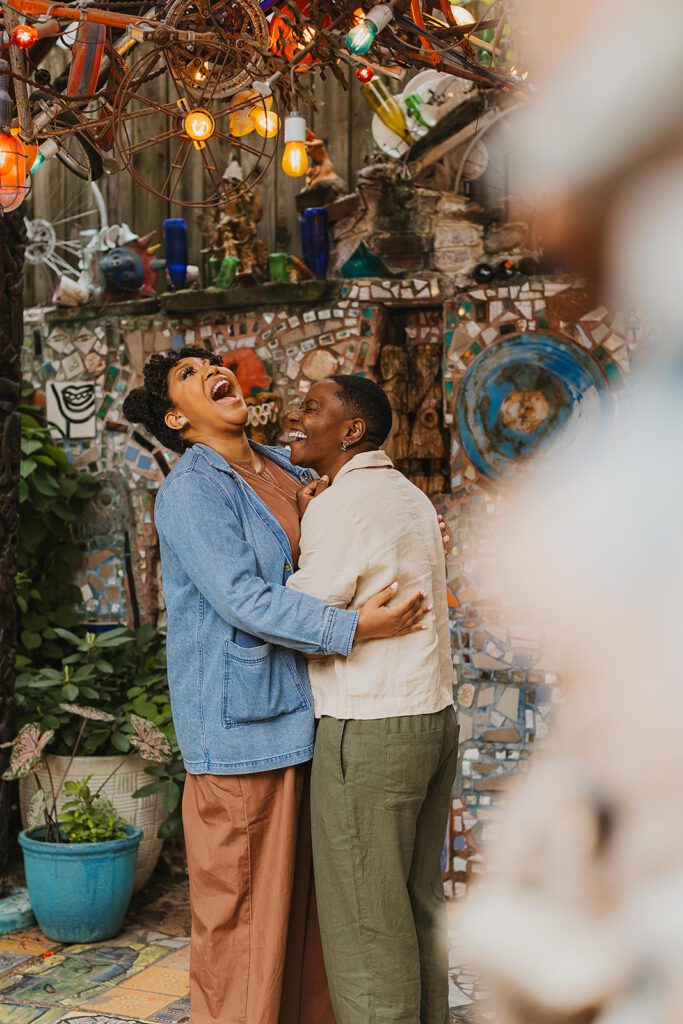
(100, 361)
(519, 362)
(477, 383)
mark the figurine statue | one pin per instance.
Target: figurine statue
(321, 171)
(233, 232)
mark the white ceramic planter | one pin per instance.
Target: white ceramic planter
(146, 812)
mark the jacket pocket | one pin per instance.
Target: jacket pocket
(260, 684)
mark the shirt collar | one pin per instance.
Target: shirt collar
(366, 460)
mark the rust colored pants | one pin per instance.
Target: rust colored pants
(255, 955)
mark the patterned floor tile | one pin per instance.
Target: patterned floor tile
(20, 1013)
(97, 1018)
(31, 941)
(129, 1003)
(8, 961)
(178, 960)
(164, 980)
(176, 1013)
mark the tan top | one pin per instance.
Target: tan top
(277, 489)
(372, 526)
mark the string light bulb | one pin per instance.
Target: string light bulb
(46, 150)
(24, 36)
(462, 15)
(199, 124)
(365, 74)
(266, 122)
(363, 34)
(295, 157)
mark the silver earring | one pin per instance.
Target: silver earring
(343, 445)
(181, 421)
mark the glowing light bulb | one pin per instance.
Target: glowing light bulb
(360, 39)
(308, 34)
(363, 34)
(266, 122)
(199, 75)
(365, 74)
(462, 15)
(13, 172)
(24, 36)
(295, 157)
(199, 125)
(46, 151)
(242, 104)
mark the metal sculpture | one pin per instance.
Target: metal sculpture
(225, 63)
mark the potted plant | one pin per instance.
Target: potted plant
(119, 673)
(80, 863)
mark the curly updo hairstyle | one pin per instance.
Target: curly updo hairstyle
(149, 404)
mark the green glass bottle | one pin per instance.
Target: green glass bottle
(387, 109)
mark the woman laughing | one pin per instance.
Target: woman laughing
(228, 530)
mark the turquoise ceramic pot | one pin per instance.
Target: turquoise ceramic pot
(80, 891)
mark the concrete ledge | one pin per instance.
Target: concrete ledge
(272, 293)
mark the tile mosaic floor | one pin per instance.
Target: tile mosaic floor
(142, 974)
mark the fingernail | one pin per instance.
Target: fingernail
(394, 586)
(422, 593)
(429, 607)
(424, 627)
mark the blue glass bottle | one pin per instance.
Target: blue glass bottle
(175, 248)
(315, 239)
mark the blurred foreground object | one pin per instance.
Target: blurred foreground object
(583, 920)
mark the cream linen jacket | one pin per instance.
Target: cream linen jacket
(370, 527)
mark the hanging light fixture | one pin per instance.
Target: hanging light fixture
(295, 157)
(363, 34)
(14, 181)
(199, 124)
(266, 122)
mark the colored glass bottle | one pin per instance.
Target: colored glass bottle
(315, 239)
(387, 109)
(175, 249)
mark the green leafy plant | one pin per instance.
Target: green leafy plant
(27, 754)
(89, 817)
(170, 778)
(121, 672)
(52, 496)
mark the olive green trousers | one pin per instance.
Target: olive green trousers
(380, 795)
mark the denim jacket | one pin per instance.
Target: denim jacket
(240, 691)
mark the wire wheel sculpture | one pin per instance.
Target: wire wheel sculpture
(145, 127)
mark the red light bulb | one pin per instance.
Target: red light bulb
(365, 74)
(24, 36)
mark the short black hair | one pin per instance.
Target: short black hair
(149, 404)
(366, 399)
